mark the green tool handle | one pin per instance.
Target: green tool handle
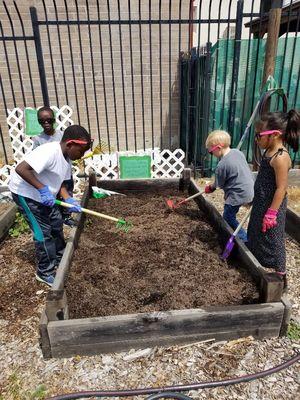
(91, 212)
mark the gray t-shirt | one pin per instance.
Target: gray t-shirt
(233, 175)
(43, 138)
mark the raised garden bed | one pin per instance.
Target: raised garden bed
(118, 304)
(7, 218)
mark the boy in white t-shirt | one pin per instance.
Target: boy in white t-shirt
(35, 184)
(46, 118)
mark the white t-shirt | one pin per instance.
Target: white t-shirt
(50, 168)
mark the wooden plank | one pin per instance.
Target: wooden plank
(80, 218)
(7, 218)
(292, 224)
(63, 268)
(56, 305)
(286, 315)
(144, 185)
(184, 181)
(44, 337)
(116, 333)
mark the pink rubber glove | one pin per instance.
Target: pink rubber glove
(269, 220)
(209, 189)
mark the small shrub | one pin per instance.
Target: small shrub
(19, 227)
(293, 331)
(15, 390)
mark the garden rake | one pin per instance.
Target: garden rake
(101, 148)
(230, 244)
(173, 206)
(121, 223)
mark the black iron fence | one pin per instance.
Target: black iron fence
(143, 74)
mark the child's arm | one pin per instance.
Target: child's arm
(27, 173)
(64, 193)
(281, 165)
(70, 200)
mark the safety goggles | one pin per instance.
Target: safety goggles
(46, 120)
(213, 148)
(265, 133)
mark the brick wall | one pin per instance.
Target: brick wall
(69, 69)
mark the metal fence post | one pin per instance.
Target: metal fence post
(236, 64)
(39, 54)
(207, 84)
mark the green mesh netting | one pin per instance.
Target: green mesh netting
(249, 84)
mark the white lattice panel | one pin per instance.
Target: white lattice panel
(165, 163)
(168, 164)
(22, 143)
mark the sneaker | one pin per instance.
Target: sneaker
(48, 280)
(69, 221)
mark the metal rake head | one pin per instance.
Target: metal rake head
(123, 225)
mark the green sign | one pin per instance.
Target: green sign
(135, 167)
(32, 126)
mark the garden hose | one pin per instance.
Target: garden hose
(168, 390)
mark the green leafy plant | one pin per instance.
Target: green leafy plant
(19, 227)
(293, 332)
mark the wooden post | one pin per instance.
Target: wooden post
(272, 39)
(270, 57)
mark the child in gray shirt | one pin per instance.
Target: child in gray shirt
(233, 175)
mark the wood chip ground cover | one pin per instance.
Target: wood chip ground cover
(22, 368)
(167, 261)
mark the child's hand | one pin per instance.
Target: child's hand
(76, 206)
(47, 198)
(269, 220)
(209, 189)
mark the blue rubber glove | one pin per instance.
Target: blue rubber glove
(76, 206)
(47, 198)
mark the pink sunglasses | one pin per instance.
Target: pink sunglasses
(213, 148)
(265, 133)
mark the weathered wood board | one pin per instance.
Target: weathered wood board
(122, 332)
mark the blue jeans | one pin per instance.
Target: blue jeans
(47, 228)
(229, 215)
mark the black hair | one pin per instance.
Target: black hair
(46, 108)
(287, 122)
(76, 132)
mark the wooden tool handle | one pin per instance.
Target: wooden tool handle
(242, 223)
(191, 197)
(91, 212)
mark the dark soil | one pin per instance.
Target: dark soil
(20, 293)
(167, 261)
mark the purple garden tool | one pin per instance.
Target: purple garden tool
(230, 244)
